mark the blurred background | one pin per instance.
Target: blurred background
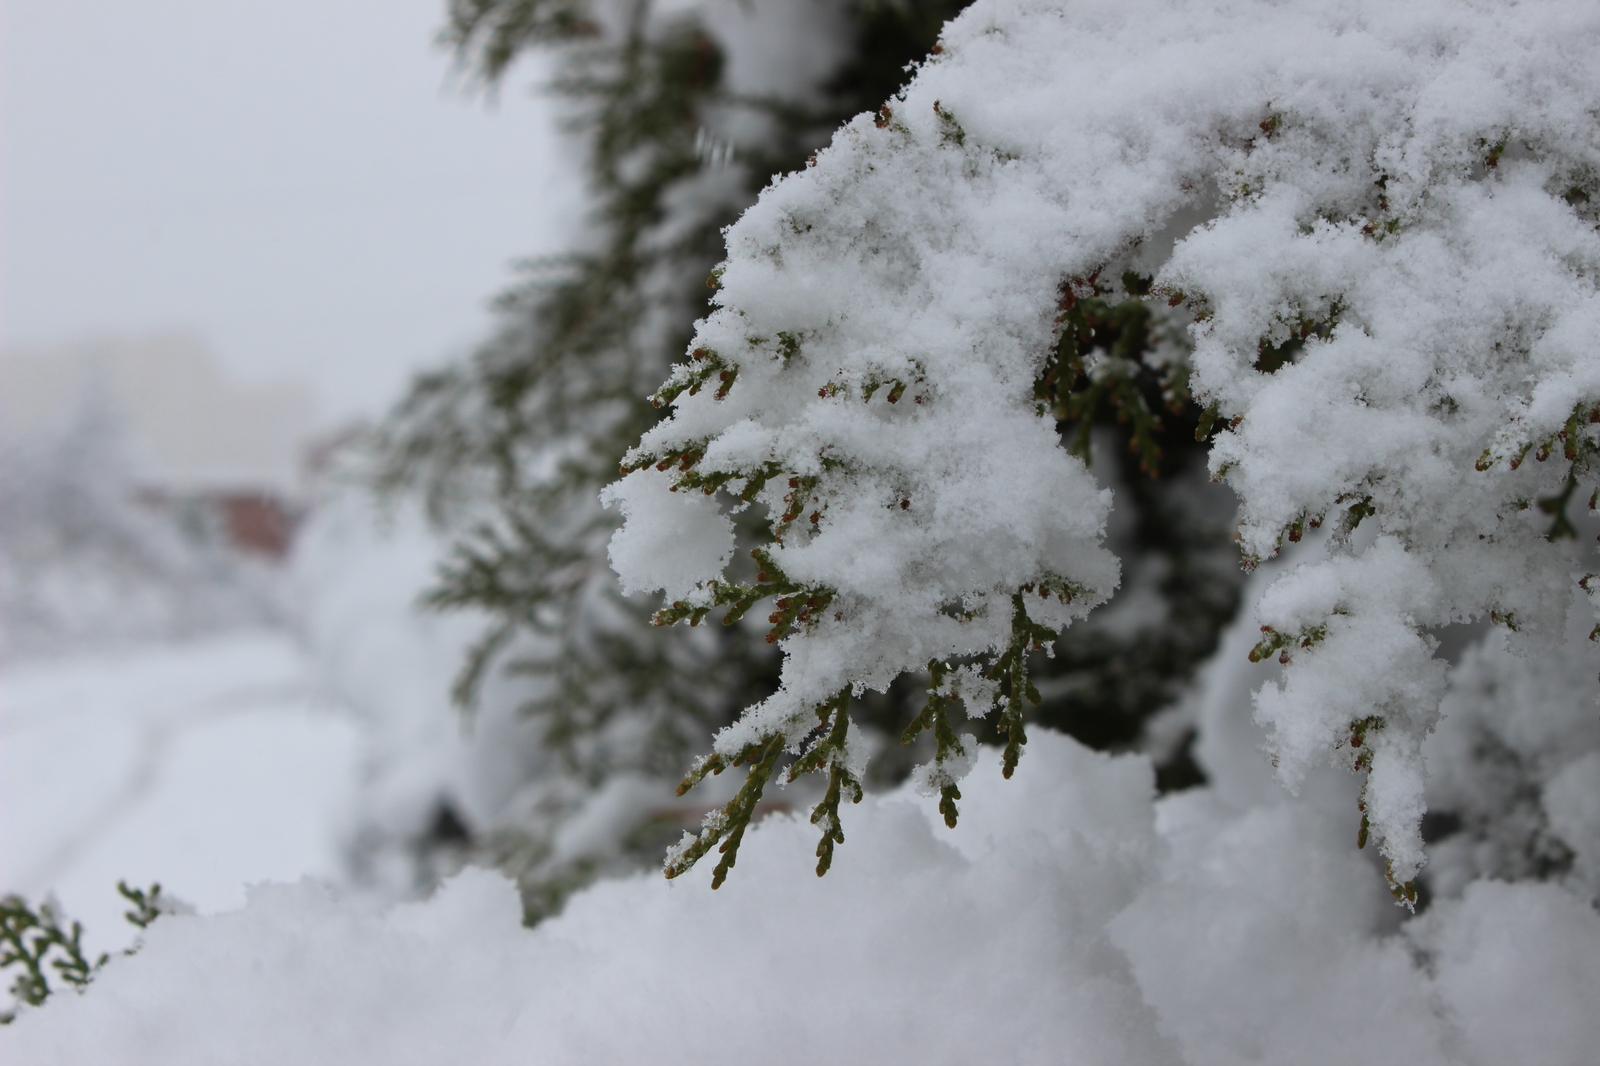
(231, 233)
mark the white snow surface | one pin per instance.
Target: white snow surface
(203, 765)
(1069, 919)
(1401, 186)
(702, 535)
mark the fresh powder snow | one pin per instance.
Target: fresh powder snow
(1067, 919)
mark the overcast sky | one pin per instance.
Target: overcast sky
(294, 180)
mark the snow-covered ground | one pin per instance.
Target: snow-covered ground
(1067, 919)
(206, 765)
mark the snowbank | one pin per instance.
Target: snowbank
(203, 765)
(1069, 919)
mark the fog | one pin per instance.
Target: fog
(310, 186)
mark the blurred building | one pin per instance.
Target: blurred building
(221, 457)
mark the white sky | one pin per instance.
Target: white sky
(294, 180)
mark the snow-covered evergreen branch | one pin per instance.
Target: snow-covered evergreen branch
(1380, 218)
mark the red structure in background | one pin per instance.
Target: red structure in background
(256, 522)
(247, 520)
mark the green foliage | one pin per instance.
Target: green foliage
(585, 337)
(1078, 389)
(1119, 375)
(523, 436)
(830, 753)
(797, 605)
(1272, 355)
(1578, 448)
(1283, 644)
(728, 824)
(829, 750)
(1011, 668)
(148, 904)
(510, 448)
(692, 378)
(36, 940)
(935, 715)
(497, 31)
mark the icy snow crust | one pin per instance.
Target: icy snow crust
(1407, 189)
(1068, 919)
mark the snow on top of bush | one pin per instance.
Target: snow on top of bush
(1381, 219)
(1067, 919)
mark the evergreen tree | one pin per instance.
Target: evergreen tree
(685, 116)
